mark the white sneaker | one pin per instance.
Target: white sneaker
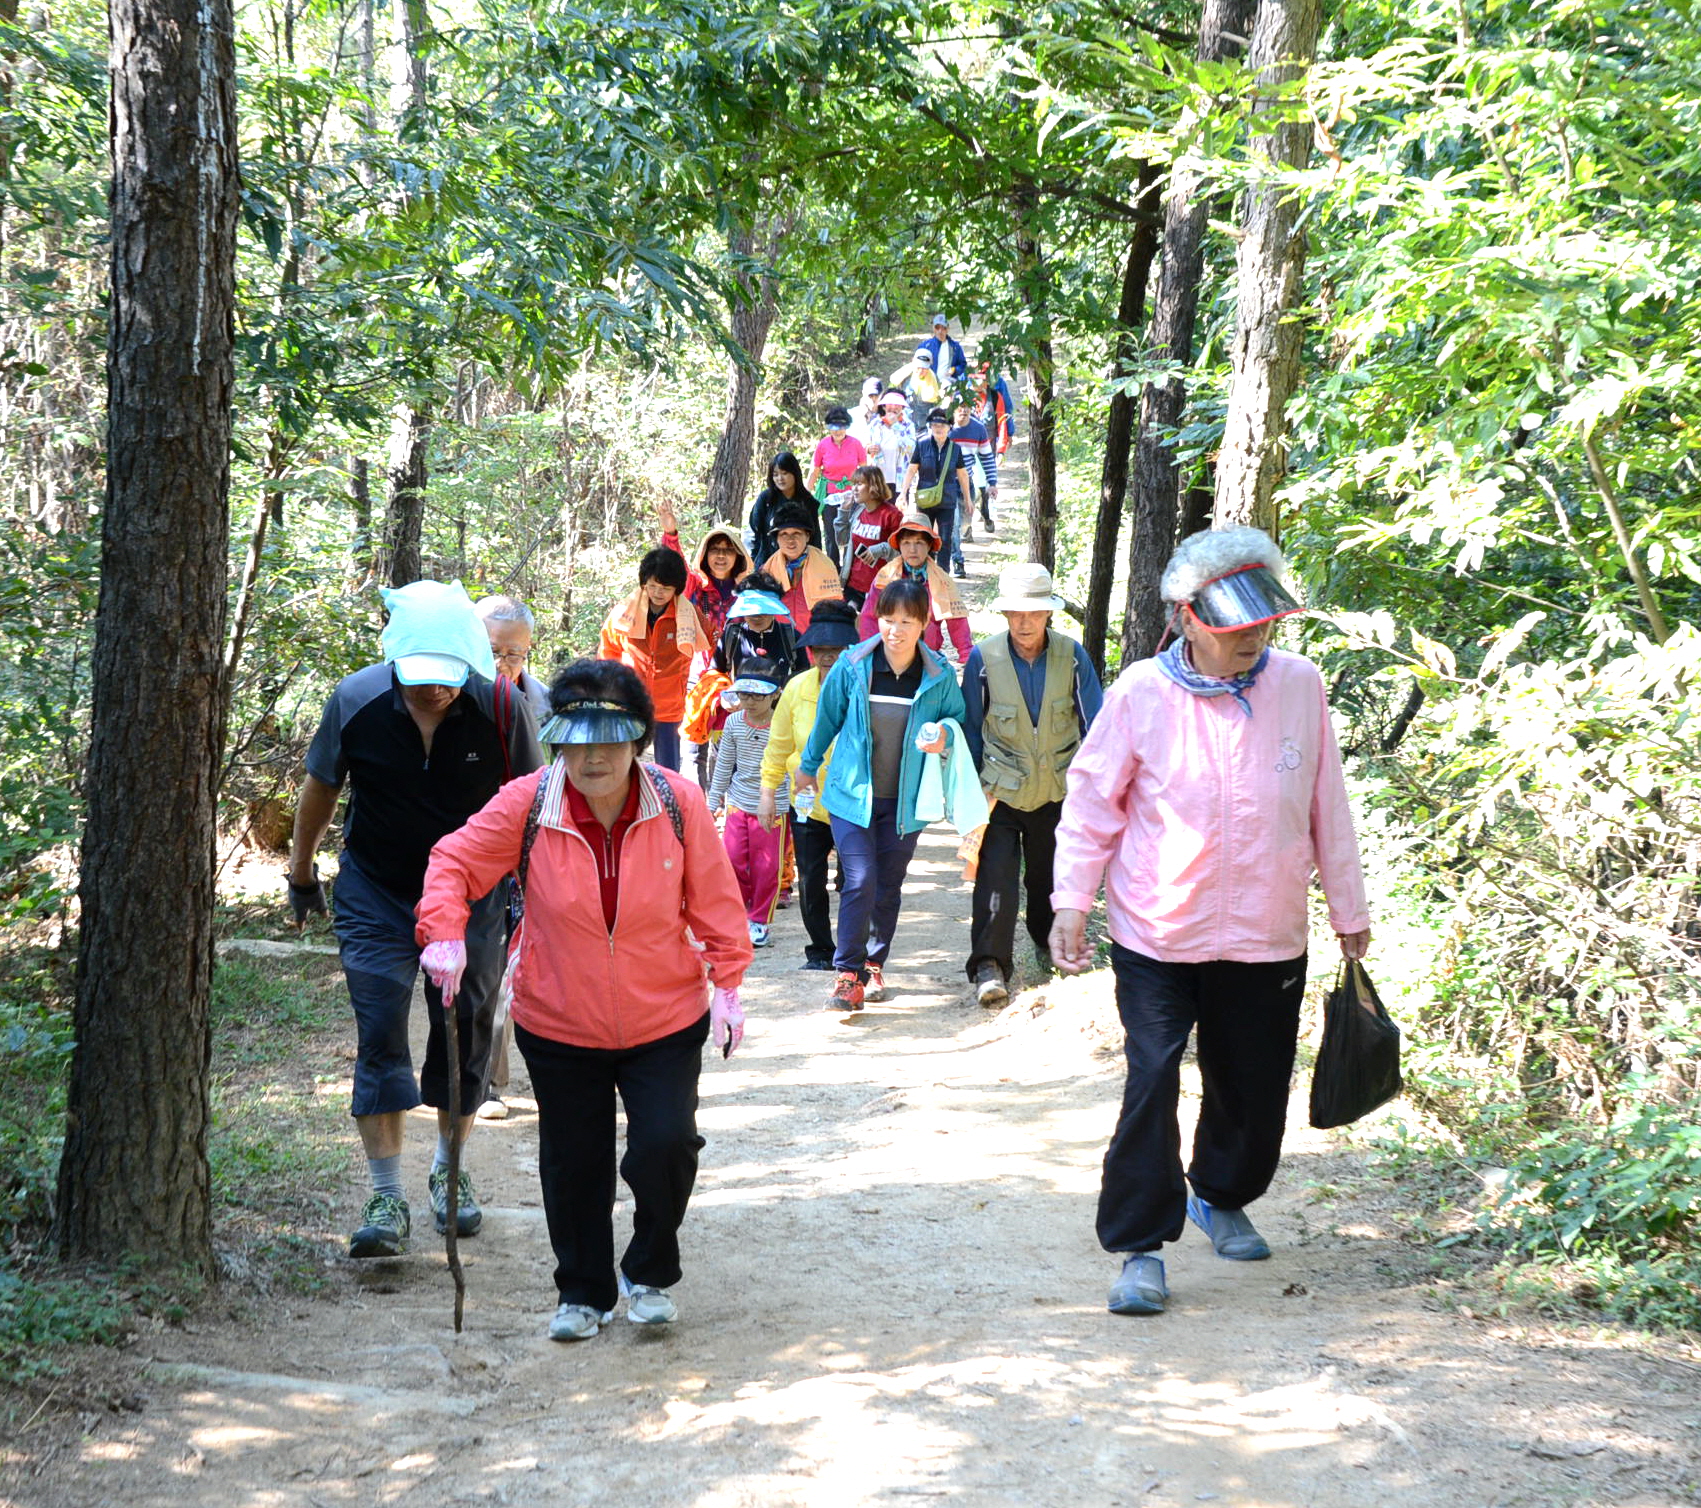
(646, 1305)
(758, 935)
(577, 1322)
(493, 1109)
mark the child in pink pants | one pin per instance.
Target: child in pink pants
(755, 851)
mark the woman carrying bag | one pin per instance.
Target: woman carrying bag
(1205, 795)
(631, 950)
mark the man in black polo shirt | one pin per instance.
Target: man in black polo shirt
(422, 745)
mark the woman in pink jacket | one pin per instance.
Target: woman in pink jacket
(632, 948)
(1206, 793)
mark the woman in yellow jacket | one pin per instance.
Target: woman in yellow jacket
(830, 633)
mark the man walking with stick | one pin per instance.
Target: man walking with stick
(421, 743)
(1029, 696)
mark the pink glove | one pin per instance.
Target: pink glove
(726, 1020)
(445, 962)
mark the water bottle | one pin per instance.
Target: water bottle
(926, 734)
(803, 803)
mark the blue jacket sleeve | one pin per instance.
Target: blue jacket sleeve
(974, 703)
(1089, 695)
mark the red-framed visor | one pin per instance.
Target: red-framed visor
(1241, 598)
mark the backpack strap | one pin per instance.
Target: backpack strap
(530, 837)
(503, 698)
(669, 799)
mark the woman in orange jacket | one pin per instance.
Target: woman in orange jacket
(657, 632)
(632, 948)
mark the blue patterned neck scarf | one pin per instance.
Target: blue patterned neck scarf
(1174, 663)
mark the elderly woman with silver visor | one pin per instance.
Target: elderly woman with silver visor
(631, 951)
(1205, 795)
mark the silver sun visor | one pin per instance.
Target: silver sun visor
(1243, 598)
(591, 723)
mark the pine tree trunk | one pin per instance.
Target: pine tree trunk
(1032, 279)
(404, 523)
(752, 317)
(1269, 275)
(1223, 26)
(1119, 426)
(133, 1177)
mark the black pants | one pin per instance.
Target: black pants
(1248, 1020)
(575, 1089)
(813, 844)
(829, 530)
(1017, 847)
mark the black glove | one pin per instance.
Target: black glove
(304, 900)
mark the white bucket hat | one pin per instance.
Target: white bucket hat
(1026, 588)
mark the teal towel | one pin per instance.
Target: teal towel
(436, 618)
(950, 786)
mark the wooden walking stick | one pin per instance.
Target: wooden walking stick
(451, 1242)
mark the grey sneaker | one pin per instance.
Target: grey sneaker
(384, 1227)
(990, 989)
(646, 1305)
(468, 1216)
(1141, 1288)
(577, 1322)
(1232, 1234)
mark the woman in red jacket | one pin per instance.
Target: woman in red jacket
(632, 947)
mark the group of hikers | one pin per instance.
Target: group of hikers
(507, 837)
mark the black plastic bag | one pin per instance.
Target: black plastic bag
(1358, 1063)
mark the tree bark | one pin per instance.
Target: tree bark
(1032, 281)
(404, 522)
(360, 499)
(752, 318)
(133, 1179)
(1119, 428)
(1223, 26)
(1269, 274)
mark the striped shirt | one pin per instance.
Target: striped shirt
(738, 768)
(890, 697)
(972, 440)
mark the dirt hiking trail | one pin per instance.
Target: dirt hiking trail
(892, 1293)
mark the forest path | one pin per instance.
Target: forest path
(892, 1292)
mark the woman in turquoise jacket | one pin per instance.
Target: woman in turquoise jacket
(875, 703)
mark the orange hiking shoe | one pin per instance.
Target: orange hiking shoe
(875, 989)
(847, 993)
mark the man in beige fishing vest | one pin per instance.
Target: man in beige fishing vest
(1029, 695)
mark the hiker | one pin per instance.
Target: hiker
(755, 847)
(657, 633)
(875, 704)
(867, 545)
(892, 439)
(759, 628)
(936, 484)
(949, 362)
(785, 485)
(631, 952)
(508, 623)
(806, 573)
(712, 581)
(1207, 791)
(831, 632)
(1029, 696)
(867, 413)
(418, 742)
(837, 455)
(972, 437)
(915, 540)
(918, 382)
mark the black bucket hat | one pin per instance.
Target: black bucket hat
(831, 626)
(790, 516)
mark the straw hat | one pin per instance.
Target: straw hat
(1026, 588)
